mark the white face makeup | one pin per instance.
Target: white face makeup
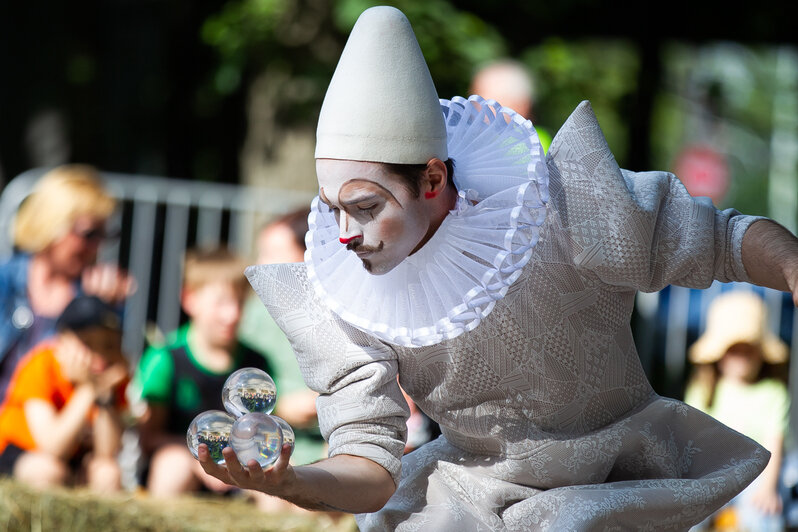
(378, 216)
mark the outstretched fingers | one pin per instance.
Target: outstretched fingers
(211, 467)
(231, 460)
(241, 476)
(280, 467)
(251, 476)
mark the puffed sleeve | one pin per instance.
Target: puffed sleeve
(632, 230)
(361, 409)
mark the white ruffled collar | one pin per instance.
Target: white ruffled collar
(448, 286)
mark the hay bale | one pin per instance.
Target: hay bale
(23, 509)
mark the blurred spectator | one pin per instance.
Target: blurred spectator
(510, 83)
(57, 232)
(664, 332)
(61, 418)
(283, 240)
(739, 380)
(185, 377)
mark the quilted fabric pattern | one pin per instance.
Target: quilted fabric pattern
(548, 420)
(345, 365)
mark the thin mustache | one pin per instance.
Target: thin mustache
(357, 247)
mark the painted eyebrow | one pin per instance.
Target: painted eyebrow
(368, 196)
(358, 199)
(323, 198)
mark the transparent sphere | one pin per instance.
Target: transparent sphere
(256, 436)
(249, 390)
(213, 429)
(288, 432)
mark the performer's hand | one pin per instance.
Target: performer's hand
(770, 256)
(211, 483)
(793, 283)
(271, 480)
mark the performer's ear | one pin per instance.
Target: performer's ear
(435, 178)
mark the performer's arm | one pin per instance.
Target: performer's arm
(343, 483)
(362, 413)
(770, 256)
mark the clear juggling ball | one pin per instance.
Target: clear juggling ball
(249, 390)
(288, 432)
(248, 396)
(256, 436)
(213, 429)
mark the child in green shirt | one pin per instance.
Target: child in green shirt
(183, 378)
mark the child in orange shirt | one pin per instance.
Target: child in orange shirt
(60, 422)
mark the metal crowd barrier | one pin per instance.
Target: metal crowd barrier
(157, 219)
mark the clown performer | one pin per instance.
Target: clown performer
(498, 284)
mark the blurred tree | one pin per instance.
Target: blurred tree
(113, 83)
(602, 71)
(278, 52)
(283, 53)
(168, 86)
(720, 95)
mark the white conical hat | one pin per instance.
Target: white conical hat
(381, 104)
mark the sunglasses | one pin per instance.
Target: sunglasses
(93, 234)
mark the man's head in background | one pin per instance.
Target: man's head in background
(509, 83)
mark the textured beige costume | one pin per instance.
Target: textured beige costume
(548, 420)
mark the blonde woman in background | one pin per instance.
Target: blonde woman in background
(57, 232)
(739, 379)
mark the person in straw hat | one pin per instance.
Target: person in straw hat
(497, 283)
(739, 380)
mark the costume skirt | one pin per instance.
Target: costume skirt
(665, 466)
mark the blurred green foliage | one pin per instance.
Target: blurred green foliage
(567, 72)
(297, 43)
(300, 41)
(719, 94)
(286, 39)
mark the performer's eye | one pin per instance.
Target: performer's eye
(366, 210)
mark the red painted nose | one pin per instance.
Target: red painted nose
(343, 240)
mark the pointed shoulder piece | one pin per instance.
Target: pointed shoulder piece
(580, 143)
(579, 134)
